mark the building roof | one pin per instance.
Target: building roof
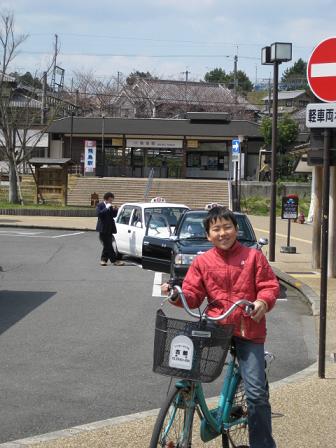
(286, 94)
(155, 126)
(160, 91)
(48, 161)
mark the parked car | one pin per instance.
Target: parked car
(133, 217)
(175, 253)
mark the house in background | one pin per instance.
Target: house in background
(26, 110)
(157, 98)
(289, 101)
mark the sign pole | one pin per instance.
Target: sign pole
(324, 254)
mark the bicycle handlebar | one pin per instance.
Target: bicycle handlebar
(249, 306)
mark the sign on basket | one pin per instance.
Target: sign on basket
(181, 353)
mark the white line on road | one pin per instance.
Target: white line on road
(67, 234)
(323, 70)
(15, 232)
(35, 234)
(157, 285)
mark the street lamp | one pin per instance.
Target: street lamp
(274, 55)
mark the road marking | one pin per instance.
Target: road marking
(67, 234)
(323, 70)
(304, 275)
(156, 292)
(16, 232)
(35, 234)
(285, 236)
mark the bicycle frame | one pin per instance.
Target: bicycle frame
(214, 420)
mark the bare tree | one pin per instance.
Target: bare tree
(93, 96)
(22, 123)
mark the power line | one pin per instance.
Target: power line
(107, 36)
(130, 55)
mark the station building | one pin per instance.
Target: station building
(199, 146)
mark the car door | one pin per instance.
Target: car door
(122, 236)
(157, 250)
(136, 232)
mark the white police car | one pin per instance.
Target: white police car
(132, 220)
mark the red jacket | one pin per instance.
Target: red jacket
(227, 276)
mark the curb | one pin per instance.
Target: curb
(308, 294)
(34, 226)
(84, 429)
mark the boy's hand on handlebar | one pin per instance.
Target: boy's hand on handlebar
(165, 289)
(260, 309)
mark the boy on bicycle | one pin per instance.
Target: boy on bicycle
(225, 274)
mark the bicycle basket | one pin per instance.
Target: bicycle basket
(190, 350)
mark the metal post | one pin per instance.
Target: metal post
(324, 254)
(71, 132)
(103, 143)
(288, 232)
(274, 162)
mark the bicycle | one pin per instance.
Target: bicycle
(200, 360)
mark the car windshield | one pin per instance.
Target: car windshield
(192, 227)
(172, 214)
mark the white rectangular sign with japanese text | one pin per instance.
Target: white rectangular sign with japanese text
(90, 156)
(321, 115)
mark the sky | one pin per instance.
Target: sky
(165, 37)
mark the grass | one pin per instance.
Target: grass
(31, 206)
(253, 205)
(260, 206)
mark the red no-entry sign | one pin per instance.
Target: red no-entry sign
(321, 70)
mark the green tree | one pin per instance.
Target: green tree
(218, 75)
(288, 131)
(295, 76)
(244, 83)
(131, 78)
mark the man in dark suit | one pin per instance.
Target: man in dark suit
(106, 227)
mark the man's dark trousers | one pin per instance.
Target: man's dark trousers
(107, 241)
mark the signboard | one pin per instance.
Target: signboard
(321, 70)
(290, 205)
(90, 156)
(321, 115)
(235, 150)
(151, 143)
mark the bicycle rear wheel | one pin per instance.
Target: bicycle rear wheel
(237, 435)
(173, 426)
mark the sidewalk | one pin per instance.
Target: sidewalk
(304, 405)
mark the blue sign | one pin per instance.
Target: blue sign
(235, 146)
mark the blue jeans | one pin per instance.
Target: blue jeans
(252, 367)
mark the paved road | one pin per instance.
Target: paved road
(76, 338)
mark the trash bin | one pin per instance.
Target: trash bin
(94, 199)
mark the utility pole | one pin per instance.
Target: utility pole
(118, 81)
(235, 79)
(44, 98)
(53, 81)
(186, 73)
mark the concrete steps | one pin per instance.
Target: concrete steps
(194, 193)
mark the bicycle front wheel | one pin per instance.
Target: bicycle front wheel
(237, 435)
(173, 426)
